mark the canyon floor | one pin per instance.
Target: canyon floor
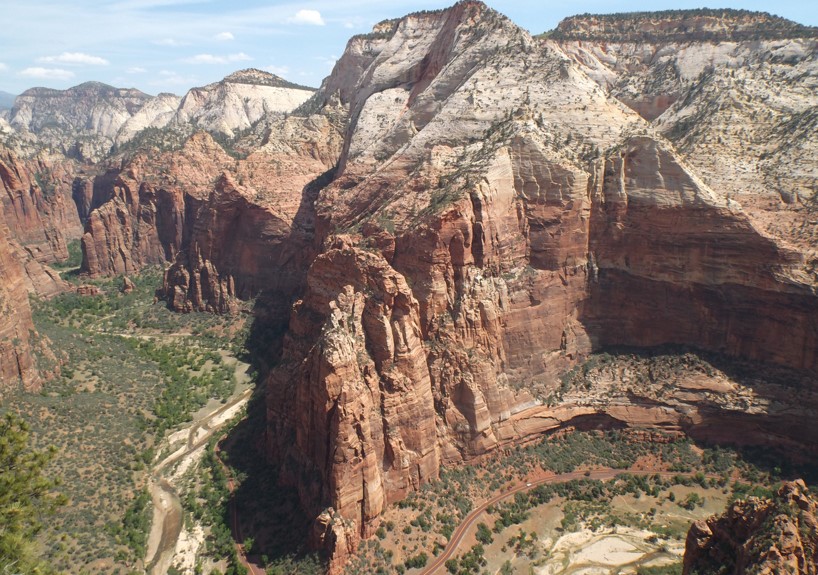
(149, 403)
(130, 374)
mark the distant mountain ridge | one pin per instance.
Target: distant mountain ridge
(91, 120)
(701, 25)
(258, 77)
(6, 100)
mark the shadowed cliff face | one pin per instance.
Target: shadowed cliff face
(231, 228)
(467, 215)
(16, 327)
(475, 186)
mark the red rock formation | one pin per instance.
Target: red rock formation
(363, 385)
(230, 228)
(16, 327)
(768, 536)
(138, 214)
(40, 216)
(523, 254)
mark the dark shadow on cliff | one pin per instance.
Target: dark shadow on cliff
(268, 514)
(271, 309)
(777, 434)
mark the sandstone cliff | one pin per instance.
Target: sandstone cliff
(231, 228)
(238, 101)
(766, 536)
(17, 366)
(463, 214)
(734, 90)
(495, 217)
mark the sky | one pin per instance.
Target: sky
(174, 45)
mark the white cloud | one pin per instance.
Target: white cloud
(3, 66)
(136, 70)
(278, 70)
(75, 58)
(47, 73)
(211, 59)
(349, 25)
(224, 36)
(311, 17)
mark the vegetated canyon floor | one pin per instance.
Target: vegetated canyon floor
(130, 372)
(134, 375)
(635, 522)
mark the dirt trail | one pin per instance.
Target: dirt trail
(167, 512)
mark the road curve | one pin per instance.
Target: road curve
(466, 524)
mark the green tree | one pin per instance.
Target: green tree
(26, 497)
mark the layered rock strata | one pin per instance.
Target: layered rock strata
(494, 220)
(17, 367)
(230, 228)
(778, 535)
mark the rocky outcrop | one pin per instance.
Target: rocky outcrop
(363, 385)
(17, 367)
(139, 213)
(741, 110)
(777, 535)
(238, 101)
(486, 231)
(697, 25)
(38, 207)
(230, 228)
(40, 216)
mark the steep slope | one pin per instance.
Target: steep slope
(735, 90)
(777, 535)
(40, 215)
(494, 218)
(156, 113)
(17, 366)
(231, 228)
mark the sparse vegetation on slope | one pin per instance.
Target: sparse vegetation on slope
(130, 370)
(700, 24)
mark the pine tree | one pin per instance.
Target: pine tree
(26, 497)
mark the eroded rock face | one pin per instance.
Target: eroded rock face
(93, 110)
(527, 232)
(778, 535)
(17, 366)
(363, 385)
(230, 228)
(464, 217)
(734, 91)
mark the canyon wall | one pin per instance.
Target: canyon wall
(493, 220)
(17, 367)
(230, 228)
(462, 214)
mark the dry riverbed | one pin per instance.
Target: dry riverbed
(650, 531)
(171, 542)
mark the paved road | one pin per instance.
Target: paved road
(457, 536)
